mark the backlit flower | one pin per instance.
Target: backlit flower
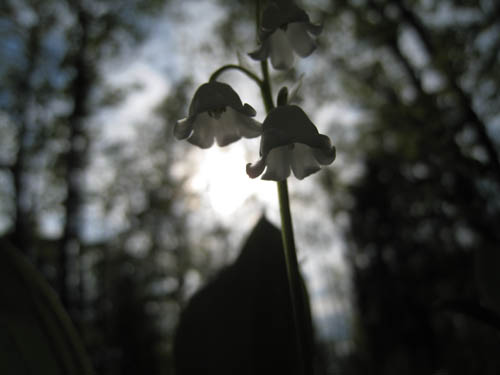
(285, 28)
(216, 112)
(290, 140)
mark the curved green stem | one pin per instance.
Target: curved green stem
(247, 72)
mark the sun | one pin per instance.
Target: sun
(221, 178)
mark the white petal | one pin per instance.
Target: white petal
(326, 153)
(183, 128)
(262, 52)
(203, 131)
(303, 161)
(300, 40)
(255, 170)
(324, 157)
(250, 128)
(280, 50)
(278, 164)
(249, 110)
(226, 128)
(247, 127)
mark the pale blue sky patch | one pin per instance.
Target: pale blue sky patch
(148, 88)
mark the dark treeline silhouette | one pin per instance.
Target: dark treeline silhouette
(423, 237)
(52, 54)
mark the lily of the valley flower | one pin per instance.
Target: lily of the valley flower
(216, 111)
(285, 28)
(290, 140)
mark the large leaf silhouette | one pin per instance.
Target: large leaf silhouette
(241, 322)
(36, 335)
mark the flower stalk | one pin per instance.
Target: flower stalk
(292, 265)
(247, 72)
(265, 87)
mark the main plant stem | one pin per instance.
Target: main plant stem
(292, 265)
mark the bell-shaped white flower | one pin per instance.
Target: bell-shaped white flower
(285, 28)
(290, 141)
(216, 112)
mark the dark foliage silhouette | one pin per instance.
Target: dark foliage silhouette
(241, 321)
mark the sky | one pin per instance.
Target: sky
(172, 51)
(176, 48)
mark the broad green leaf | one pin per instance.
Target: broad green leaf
(36, 334)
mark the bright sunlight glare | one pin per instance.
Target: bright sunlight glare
(221, 177)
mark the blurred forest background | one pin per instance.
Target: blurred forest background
(408, 90)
